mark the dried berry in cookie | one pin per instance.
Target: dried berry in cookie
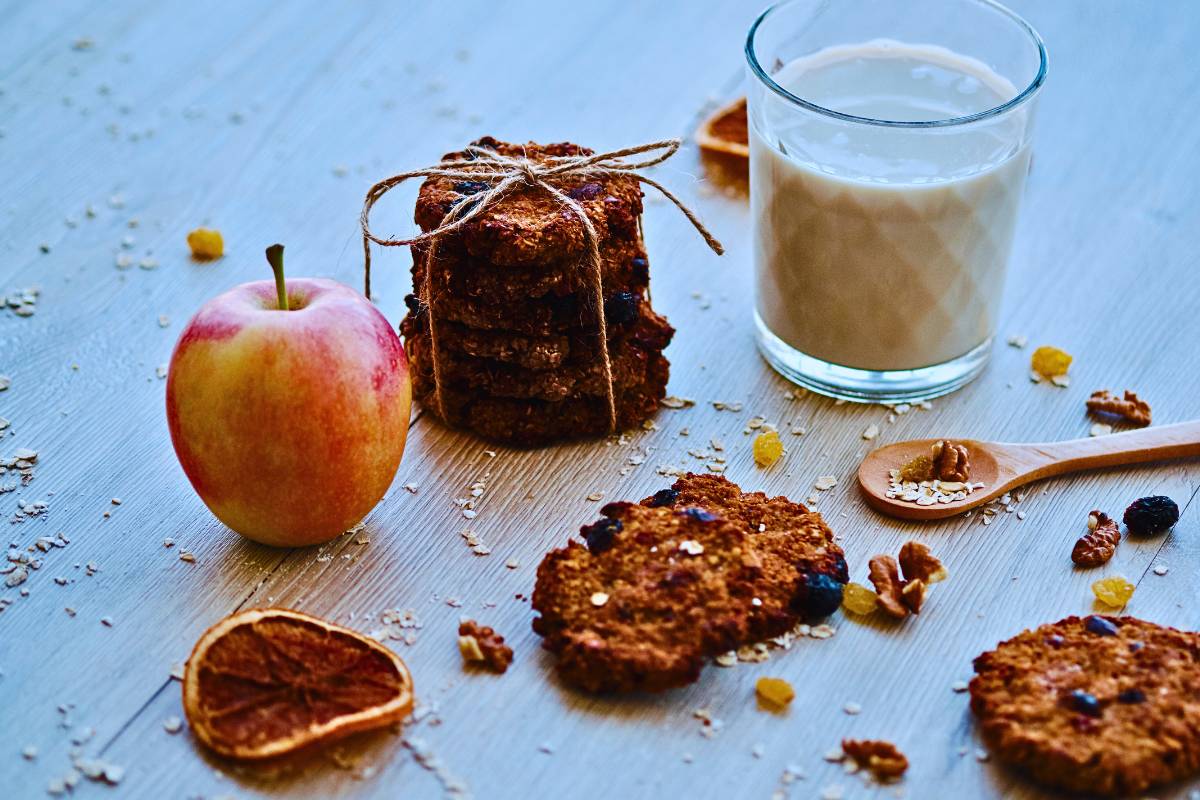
(822, 595)
(1099, 705)
(601, 534)
(1151, 515)
(672, 588)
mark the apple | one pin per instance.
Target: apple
(288, 405)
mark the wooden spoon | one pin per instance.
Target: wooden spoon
(1003, 467)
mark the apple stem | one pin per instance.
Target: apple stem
(275, 259)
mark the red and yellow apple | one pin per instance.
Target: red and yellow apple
(288, 405)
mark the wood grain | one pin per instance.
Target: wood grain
(269, 121)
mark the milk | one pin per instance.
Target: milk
(884, 248)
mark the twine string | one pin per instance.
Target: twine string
(503, 174)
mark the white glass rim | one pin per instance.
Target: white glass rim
(1021, 98)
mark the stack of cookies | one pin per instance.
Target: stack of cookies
(517, 325)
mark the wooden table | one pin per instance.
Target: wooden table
(127, 124)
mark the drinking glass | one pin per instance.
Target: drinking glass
(881, 240)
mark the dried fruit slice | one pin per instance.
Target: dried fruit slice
(269, 681)
(726, 131)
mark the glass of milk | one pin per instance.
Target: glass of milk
(889, 144)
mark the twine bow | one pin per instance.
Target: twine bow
(505, 174)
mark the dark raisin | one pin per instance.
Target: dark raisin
(1084, 703)
(664, 497)
(413, 303)
(621, 308)
(1101, 626)
(589, 191)
(840, 570)
(601, 533)
(1151, 515)
(700, 515)
(641, 269)
(471, 187)
(1132, 696)
(821, 596)
(468, 203)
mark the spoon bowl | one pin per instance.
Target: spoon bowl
(1002, 467)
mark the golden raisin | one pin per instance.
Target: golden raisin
(774, 694)
(917, 470)
(858, 599)
(767, 448)
(1050, 362)
(1114, 591)
(206, 244)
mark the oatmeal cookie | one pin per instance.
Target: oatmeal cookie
(799, 539)
(630, 363)
(654, 594)
(529, 423)
(529, 226)
(1101, 705)
(542, 316)
(630, 356)
(460, 275)
(648, 329)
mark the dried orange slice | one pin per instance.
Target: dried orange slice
(726, 131)
(269, 681)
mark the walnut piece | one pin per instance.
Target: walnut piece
(883, 759)
(950, 461)
(1131, 408)
(480, 643)
(884, 574)
(918, 564)
(1100, 542)
(913, 595)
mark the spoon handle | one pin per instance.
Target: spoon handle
(1147, 444)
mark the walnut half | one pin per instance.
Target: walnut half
(918, 564)
(480, 643)
(1100, 542)
(883, 759)
(950, 461)
(884, 574)
(1131, 408)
